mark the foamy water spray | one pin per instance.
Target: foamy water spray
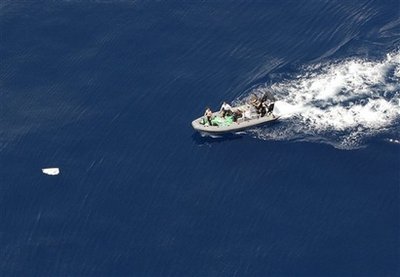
(339, 103)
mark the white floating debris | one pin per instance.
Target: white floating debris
(51, 171)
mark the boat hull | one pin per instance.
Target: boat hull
(238, 126)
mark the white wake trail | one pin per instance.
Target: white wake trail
(340, 103)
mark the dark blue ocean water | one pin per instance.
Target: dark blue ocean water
(106, 91)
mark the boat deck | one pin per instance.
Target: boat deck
(227, 126)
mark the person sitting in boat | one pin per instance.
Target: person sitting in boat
(268, 101)
(262, 110)
(226, 109)
(270, 107)
(257, 104)
(243, 113)
(208, 116)
(237, 114)
(264, 105)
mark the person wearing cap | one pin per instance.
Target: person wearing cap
(256, 103)
(208, 116)
(268, 103)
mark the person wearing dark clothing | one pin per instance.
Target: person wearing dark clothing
(208, 116)
(271, 107)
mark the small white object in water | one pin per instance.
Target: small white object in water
(51, 171)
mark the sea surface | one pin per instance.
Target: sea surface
(106, 91)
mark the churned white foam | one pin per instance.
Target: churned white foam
(396, 141)
(341, 103)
